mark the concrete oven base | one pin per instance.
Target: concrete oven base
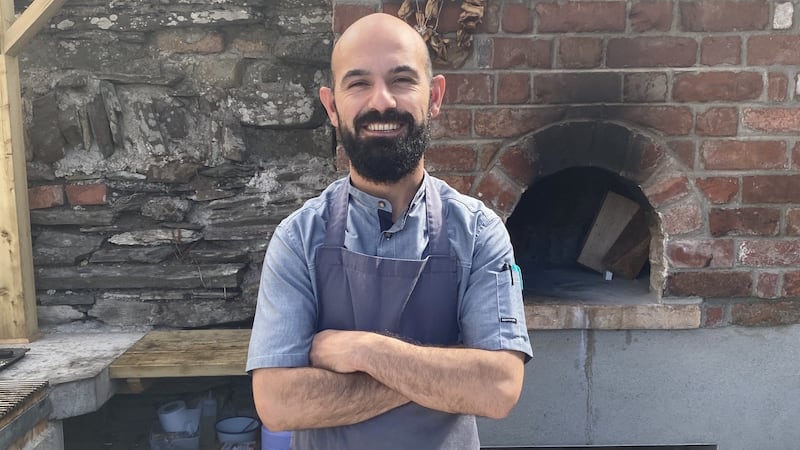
(75, 363)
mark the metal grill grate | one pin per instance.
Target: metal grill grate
(17, 395)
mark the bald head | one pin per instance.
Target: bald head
(379, 31)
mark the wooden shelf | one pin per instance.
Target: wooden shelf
(184, 353)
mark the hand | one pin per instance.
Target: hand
(335, 350)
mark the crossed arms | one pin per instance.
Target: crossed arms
(354, 376)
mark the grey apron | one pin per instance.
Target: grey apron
(414, 300)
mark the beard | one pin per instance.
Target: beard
(385, 160)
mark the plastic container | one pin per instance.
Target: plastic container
(237, 429)
(208, 419)
(275, 440)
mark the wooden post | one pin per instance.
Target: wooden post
(17, 291)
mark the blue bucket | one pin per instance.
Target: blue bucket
(281, 440)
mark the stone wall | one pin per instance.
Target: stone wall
(166, 140)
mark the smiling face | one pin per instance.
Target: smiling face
(383, 97)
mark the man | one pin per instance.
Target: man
(389, 314)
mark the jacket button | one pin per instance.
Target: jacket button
(387, 235)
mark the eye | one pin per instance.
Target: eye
(357, 84)
(405, 80)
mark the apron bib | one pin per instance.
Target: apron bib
(415, 300)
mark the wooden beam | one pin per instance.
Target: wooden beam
(17, 291)
(22, 30)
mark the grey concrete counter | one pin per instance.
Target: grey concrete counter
(75, 363)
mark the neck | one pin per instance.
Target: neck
(399, 193)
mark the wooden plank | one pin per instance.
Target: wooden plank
(17, 290)
(614, 215)
(35, 16)
(184, 353)
(630, 252)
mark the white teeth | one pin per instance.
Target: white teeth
(383, 126)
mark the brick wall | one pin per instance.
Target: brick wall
(708, 92)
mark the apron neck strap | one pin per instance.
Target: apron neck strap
(438, 244)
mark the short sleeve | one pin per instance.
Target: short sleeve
(492, 310)
(285, 317)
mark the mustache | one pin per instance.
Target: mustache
(390, 115)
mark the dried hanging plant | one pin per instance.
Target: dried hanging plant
(446, 51)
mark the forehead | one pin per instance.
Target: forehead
(378, 54)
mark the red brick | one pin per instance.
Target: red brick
(744, 222)
(452, 123)
(581, 16)
(743, 155)
(47, 196)
(468, 89)
(713, 316)
(772, 120)
(651, 16)
(710, 284)
(767, 285)
(769, 313)
(344, 15)
(724, 15)
(183, 41)
(651, 51)
(581, 87)
(670, 120)
(498, 192)
(778, 84)
(771, 189)
(519, 164)
(448, 17)
(644, 87)
(488, 151)
(517, 18)
(769, 253)
(644, 159)
(717, 50)
(718, 190)
(509, 53)
(461, 183)
(490, 24)
(717, 86)
(717, 122)
(682, 218)
(791, 284)
(512, 122)
(513, 88)
(86, 194)
(796, 156)
(683, 151)
(450, 157)
(793, 222)
(667, 190)
(773, 49)
(580, 52)
(697, 254)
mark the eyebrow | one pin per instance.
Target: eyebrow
(395, 70)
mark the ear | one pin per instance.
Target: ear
(326, 97)
(437, 94)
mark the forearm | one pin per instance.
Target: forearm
(457, 380)
(305, 397)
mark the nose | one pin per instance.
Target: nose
(382, 98)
